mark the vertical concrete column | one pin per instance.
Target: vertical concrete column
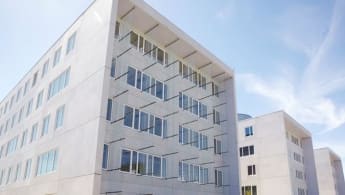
(309, 164)
(340, 177)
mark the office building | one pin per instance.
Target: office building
(329, 171)
(123, 102)
(276, 156)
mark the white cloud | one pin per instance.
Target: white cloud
(307, 99)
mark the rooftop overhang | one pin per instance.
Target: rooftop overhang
(293, 126)
(334, 156)
(155, 26)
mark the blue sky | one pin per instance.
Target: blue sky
(287, 55)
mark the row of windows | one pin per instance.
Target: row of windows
(46, 163)
(192, 105)
(143, 121)
(159, 55)
(247, 150)
(192, 173)
(142, 163)
(148, 49)
(54, 87)
(295, 140)
(297, 157)
(196, 139)
(248, 190)
(22, 92)
(14, 144)
(148, 84)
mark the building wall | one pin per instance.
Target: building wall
(77, 141)
(274, 159)
(329, 172)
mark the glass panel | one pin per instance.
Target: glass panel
(160, 56)
(131, 76)
(152, 124)
(153, 87)
(158, 126)
(157, 166)
(134, 161)
(128, 120)
(146, 83)
(138, 79)
(185, 102)
(149, 165)
(134, 39)
(105, 157)
(159, 89)
(125, 160)
(144, 117)
(142, 164)
(136, 119)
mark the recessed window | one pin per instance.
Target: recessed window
(217, 146)
(109, 109)
(29, 108)
(34, 80)
(27, 171)
(71, 43)
(34, 130)
(117, 29)
(47, 162)
(248, 131)
(39, 99)
(24, 138)
(57, 57)
(18, 172)
(216, 117)
(112, 68)
(248, 190)
(59, 118)
(218, 178)
(45, 68)
(105, 156)
(59, 83)
(128, 116)
(45, 125)
(247, 150)
(251, 170)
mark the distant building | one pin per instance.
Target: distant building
(124, 102)
(276, 156)
(241, 117)
(330, 173)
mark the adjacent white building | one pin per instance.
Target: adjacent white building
(276, 156)
(123, 102)
(330, 173)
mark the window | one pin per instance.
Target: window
(71, 43)
(216, 117)
(299, 174)
(34, 80)
(47, 162)
(18, 172)
(12, 145)
(146, 83)
(2, 173)
(294, 140)
(24, 138)
(159, 89)
(18, 94)
(134, 39)
(218, 178)
(139, 79)
(247, 150)
(13, 120)
(9, 174)
(158, 126)
(131, 76)
(117, 29)
(112, 68)
(27, 171)
(45, 125)
(59, 118)
(128, 116)
(248, 190)
(301, 191)
(144, 123)
(59, 83)
(20, 114)
(125, 160)
(297, 157)
(215, 89)
(193, 173)
(105, 156)
(45, 68)
(26, 87)
(248, 131)
(11, 102)
(217, 146)
(29, 108)
(143, 164)
(160, 56)
(57, 56)
(39, 99)
(109, 109)
(251, 170)
(33, 133)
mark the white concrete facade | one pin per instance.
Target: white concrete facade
(77, 106)
(330, 173)
(281, 151)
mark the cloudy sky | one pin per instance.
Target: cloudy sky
(287, 55)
